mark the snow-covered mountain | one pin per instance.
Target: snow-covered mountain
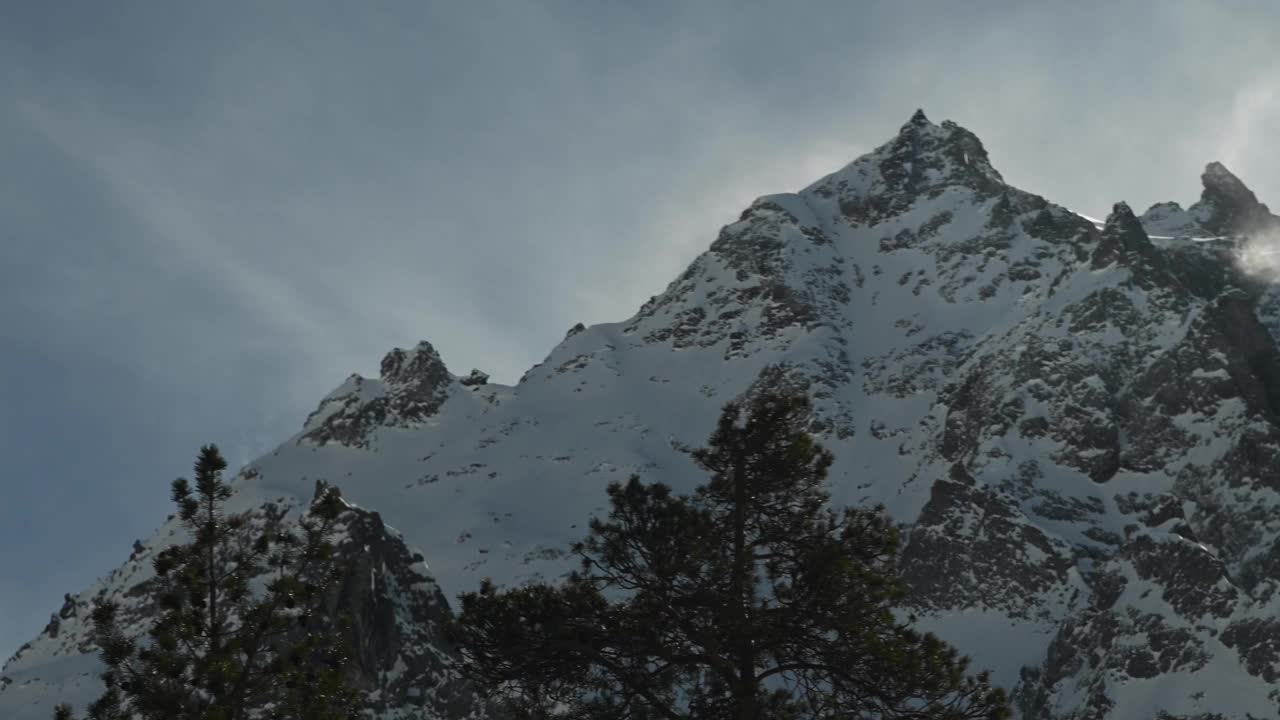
(1079, 425)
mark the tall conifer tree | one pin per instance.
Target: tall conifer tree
(747, 600)
(216, 651)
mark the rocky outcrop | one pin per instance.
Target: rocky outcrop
(401, 659)
(413, 385)
(973, 547)
(923, 159)
(1124, 240)
(1228, 207)
(476, 378)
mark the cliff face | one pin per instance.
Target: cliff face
(1078, 426)
(396, 608)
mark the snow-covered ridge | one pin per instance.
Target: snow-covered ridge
(1076, 421)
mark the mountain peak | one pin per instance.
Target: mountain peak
(1123, 238)
(918, 119)
(1122, 217)
(403, 366)
(1223, 187)
(1227, 206)
(1215, 173)
(414, 384)
(922, 159)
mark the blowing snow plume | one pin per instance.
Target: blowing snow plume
(1227, 211)
(1259, 256)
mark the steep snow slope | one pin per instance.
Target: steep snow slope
(1078, 425)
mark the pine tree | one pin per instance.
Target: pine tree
(747, 600)
(216, 651)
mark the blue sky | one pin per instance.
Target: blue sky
(212, 213)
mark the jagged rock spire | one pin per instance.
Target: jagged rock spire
(921, 158)
(918, 119)
(415, 383)
(1220, 181)
(1228, 207)
(1122, 219)
(1122, 236)
(401, 366)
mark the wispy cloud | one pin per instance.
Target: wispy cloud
(1249, 126)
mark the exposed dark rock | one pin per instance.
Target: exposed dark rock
(1227, 353)
(1107, 588)
(1258, 642)
(965, 420)
(414, 384)
(1092, 644)
(922, 160)
(68, 609)
(1228, 207)
(922, 367)
(1205, 270)
(475, 379)
(54, 624)
(972, 543)
(1193, 582)
(1123, 240)
(396, 611)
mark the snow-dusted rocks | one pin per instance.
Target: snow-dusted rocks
(413, 386)
(475, 378)
(1227, 207)
(924, 159)
(397, 608)
(1076, 424)
(1124, 240)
